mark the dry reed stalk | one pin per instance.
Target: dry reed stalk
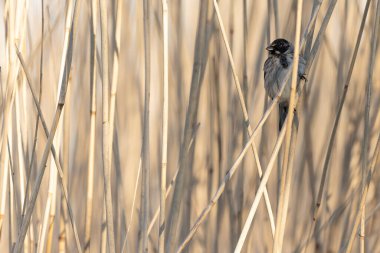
(20, 40)
(4, 188)
(245, 112)
(12, 201)
(367, 131)
(265, 116)
(52, 188)
(144, 210)
(38, 115)
(42, 235)
(103, 226)
(105, 122)
(65, 69)
(115, 80)
(287, 167)
(200, 56)
(170, 186)
(276, 18)
(306, 33)
(63, 224)
(91, 151)
(337, 118)
(115, 73)
(62, 235)
(260, 191)
(124, 244)
(363, 197)
(53, 151)
(20, 153)
(29, 210)
(229, 174)
(4, 181)
(165, 119)
(114, 83)
(230, 202)
(10, 90)
(269, 7)
(213, 166)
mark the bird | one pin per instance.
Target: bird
(276, 68)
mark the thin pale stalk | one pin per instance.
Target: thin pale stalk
(91, 151)
(169, 188)
(289, 178)
(363, 197)
(4, 191)
(52, 188)
(39, 102)
(311, 58)
(65, 69)
(115, 71)
(367, 131)
(241, 177)
(144, 215)
(115, 80)
(228, 177)
(10, 89)
(286, 175)
(42, 236)
(103, 227)
(106, 128)
(259, 192)
(276, 18)
(4, 181)
(165, 112)
(337, 118)
(25, 223)
(133, 207)
(245, 112)
(200, 57)
(20, 154)
(263, 119)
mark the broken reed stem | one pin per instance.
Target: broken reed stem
(165, 112)
(144, 215)
(245, 112)
(106, 128)
(286, 171)
(91, 151)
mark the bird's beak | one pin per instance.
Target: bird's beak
(269, 48)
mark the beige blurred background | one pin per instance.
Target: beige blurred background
(219, 138)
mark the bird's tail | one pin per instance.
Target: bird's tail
(283, 109)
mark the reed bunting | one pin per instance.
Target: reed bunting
(276, 68)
